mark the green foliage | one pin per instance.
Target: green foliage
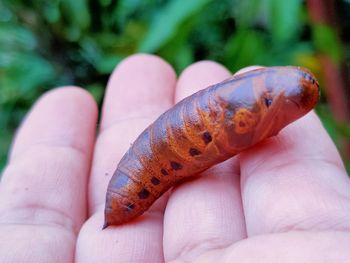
(44, 44)
(167, 23)
(338, 131)
(285, 17)
(326, 41)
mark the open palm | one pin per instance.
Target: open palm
(284, 200)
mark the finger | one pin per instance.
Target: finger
(193, 80)
(140, 89)
(246, 69)
(43, 188)
(142, 92)
(304, 247)
(295, 180)
(207, 212)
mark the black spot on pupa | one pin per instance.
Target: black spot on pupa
(155, 181)
(268, 102)
(194, 152)
(176, 166)
(164, 172)
(207, 137)
(143, 194)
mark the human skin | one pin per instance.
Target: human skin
(285, 200)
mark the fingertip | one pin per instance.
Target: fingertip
(54, 116)
(141, 59)
(199, 76)
(141, 84)
(68, 94)
(209, 65)
(249, 68)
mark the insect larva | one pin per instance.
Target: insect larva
(204, 129)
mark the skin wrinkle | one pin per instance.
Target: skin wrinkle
(335, 219)
(195, 247)
(297, 159)
(285, 220)
(256, 249)
(310, 224)
(306, 163)
(66, 220)
(32, 215)
(43, 246)
(190, 251)
(301, 159)
(284, 143)
(52, 145)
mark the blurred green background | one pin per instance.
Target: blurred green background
(48, 43)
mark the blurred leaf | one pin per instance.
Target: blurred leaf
(308, 59)
(127, 42)
(179, 45)
(184, 58)
(90, 50)
(168, 21)
(5, 13)
(26, 71)
(245, 48)
(108, 63)
(124, 9)
(326, 41)
(96, 90)
(13, 36)
(337, 131)
(5, 141)
(51, 11)
(105, 2)
(285, 19)
(247, 13)
(76, 12)
(328, 121)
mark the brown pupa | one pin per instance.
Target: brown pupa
(204, 129)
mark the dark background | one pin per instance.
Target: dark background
(48, 43)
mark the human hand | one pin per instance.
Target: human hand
(284, 200)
